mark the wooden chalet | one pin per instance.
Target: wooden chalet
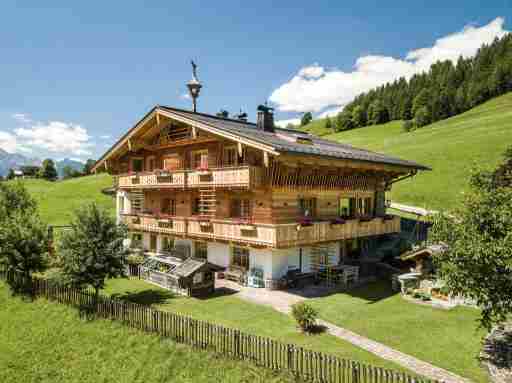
(250, 197)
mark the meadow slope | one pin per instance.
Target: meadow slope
(450, 147)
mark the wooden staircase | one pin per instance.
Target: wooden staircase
(207, 202)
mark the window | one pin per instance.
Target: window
(241, 208)
(168, 206)
(137, 165)
(230, 156)
(201, 250)
(240, 257)
(121, 205)
(344, 207)
(152, 242)
(136, 241)
(167, 244)
(150, 163)
(196, 206)
(307, 207)
(198, 278)
(172, 162)
(367, 206)
(200, 159)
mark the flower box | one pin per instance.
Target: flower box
(337, 221)
(365, 219)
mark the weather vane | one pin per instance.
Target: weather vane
(194, 86)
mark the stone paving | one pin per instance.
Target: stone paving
(283, 300)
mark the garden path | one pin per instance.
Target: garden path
(282, 301)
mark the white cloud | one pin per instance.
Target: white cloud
(106, 137)
(7, 142)
(331, 112)
(315, 88)
(185, 96)
(55, 137)
(284, 123)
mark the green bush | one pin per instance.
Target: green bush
(408, 126)
(305, 315)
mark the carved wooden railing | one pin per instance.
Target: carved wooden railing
(244, 176)
(277, 236)
(167, 225)
(153, 179)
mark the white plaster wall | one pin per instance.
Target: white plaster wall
(218, 254)
(280, 262)
(127, 205)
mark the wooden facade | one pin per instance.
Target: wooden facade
(249, 197)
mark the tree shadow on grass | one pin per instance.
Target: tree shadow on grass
(146, 297)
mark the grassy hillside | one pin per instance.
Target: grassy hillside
(450, 147)
(46, 342)
(58, 200)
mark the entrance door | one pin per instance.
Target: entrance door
(152, 243)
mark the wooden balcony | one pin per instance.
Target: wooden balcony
(153, 180)
(288, 235)
(243, 176)
(268, 235)
(168, 225)
(227, 230)
(235, 177)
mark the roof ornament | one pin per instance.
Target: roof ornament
(194, 86)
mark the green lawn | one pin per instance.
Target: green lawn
(449, 147)
(446, 338)
(231, 311)
(57, 200)
(44, 342)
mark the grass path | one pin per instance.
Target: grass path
(44, 342)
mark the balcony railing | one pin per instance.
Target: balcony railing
(244, 176)
(153, 179)
(276, 236)
(163, 225)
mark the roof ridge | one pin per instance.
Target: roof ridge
(207, 115)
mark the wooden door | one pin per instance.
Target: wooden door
(152, 243)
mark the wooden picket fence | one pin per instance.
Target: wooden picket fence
(304, 364)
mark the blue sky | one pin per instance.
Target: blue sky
(75, 75)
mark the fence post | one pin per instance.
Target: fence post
(355, 373)
(289, 353)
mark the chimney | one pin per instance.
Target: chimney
(265, 119)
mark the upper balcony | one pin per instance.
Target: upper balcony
(228, 177)
(268, 235)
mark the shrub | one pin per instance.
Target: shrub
(408, 126)
(305, 315)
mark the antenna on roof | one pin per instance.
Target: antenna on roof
(194, 86)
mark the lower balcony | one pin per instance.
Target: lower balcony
(268, 235)
(162, 225)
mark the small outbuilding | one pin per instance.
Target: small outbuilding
(423, 258)
(191, 277)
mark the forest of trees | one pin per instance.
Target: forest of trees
(444, 91)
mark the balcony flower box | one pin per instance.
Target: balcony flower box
(365, 219)
(338, 221)
(388, 217)
(304, 222)
(247, 227)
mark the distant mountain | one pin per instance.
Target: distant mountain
(76, 165)
(14, 160)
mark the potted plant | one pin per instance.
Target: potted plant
(337, 221)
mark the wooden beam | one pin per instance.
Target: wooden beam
(129, 144)
(240, 150)
(266, 160)
(194, 132)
